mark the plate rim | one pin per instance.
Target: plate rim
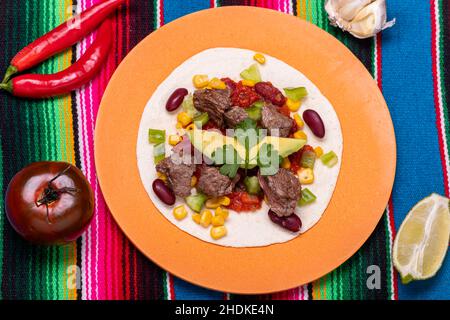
(100, 173)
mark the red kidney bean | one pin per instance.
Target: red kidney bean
(269, 92)
(164, 193)
(314, 122)
(291, 223)
(176, 99)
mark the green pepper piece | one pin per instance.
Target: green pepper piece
(307, 197)
(252, 185)
(196, 202)
(156, 136)
(329, 159)
(296, 94)
(308, 159)
(252, 73)
(201, 120)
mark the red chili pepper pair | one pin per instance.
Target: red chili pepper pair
(57, 40)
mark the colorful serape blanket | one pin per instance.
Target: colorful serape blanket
(410, 62)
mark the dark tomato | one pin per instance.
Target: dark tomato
(49, 203)
(242, 201)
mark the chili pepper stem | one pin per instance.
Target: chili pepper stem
(9, 73)
(6, 86)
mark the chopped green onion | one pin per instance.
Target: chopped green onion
(308, 159)
(252, 73)
(307, 197)
(254, 112)
(329, 159)
(252, 185)
(196, 202)
(296, 94)
(156, 136)
(188, 106)
(159, 152)
(201, 120)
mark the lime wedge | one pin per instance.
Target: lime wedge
(422, 240)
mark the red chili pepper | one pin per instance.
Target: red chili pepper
(61, 38)
(81, 72)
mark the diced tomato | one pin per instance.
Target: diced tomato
(244, 96)
(285, 110)
(242, 201)
(296, 157)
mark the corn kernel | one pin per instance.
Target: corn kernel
(184, 119)
(214, 203)
(174, 139)
(179, 125)
(216, 83)
(298, 121)
(225, 201)
(180, 212)
(200, 81)
(161, 176)
(218, 232)
(306, 175)
(194, 181)
(266, 200)
(260, 58)
(196, 217)
(286, 164)
(190, 127)
(248, 83)
(293, 105)
(205, 219)
(318, 151)
(217, 221)
(222, 212)
(300, 135)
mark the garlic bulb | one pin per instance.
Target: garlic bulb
(362, 18)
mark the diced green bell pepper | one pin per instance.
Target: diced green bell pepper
(201, 120)
(308, 159)
(156, 136)
(296, 94)
(307, 197)
(159, 152)
(329, 159)
(252, 185)
(196, 202)
(252, 73)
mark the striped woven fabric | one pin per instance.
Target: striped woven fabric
(408, 62)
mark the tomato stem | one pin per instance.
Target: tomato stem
(52, 194)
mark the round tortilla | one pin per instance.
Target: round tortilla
(246, 229)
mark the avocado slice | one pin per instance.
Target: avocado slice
(208, 141)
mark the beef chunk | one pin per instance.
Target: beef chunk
(272, 119)
(234, 116)
(283, 190)
(213, 101)
(179, 175)
(214, 184)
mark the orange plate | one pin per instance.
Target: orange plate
(363, 187)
